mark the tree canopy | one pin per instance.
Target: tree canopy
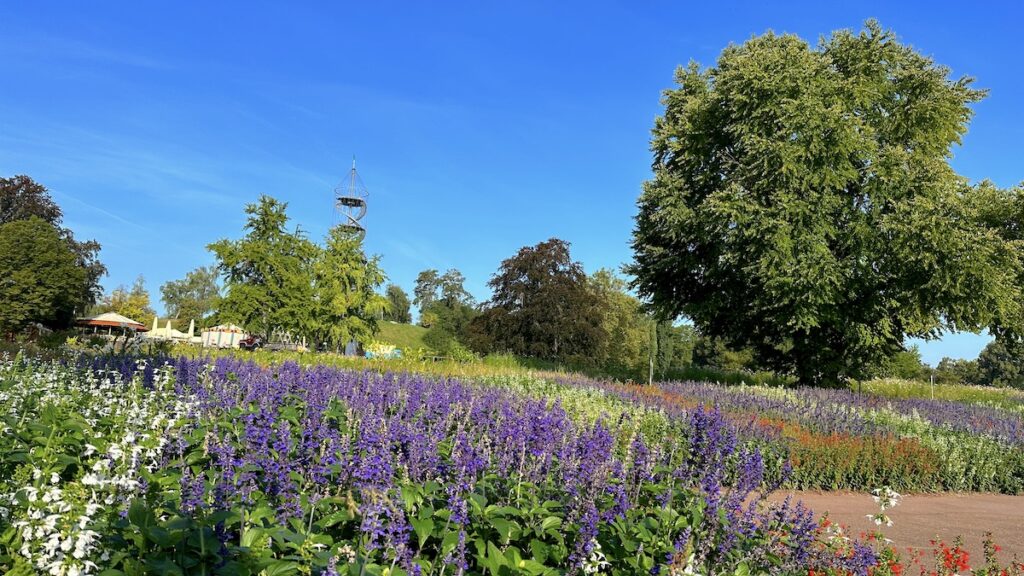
(40, 279)
(446, 310)
(447, 289)
(22, 198)
(130, 302)
(627, 331)
(194, 297)
(398, 305)
(803, 205)
(267, 273)
(427, 284)
(1001, 363)
(346, 302)
(279, 282)
(541, 306)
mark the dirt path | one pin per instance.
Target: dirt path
(919, 518)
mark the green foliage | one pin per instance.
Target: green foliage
(21, 198)
(1001, 363)
(675, 347)
(267, 274)
(398, 309)
(906, 365)
(1008, 399)
(541, 307)
(714, 353)
(131, 302)
(279, 282)
(427, 284)
(957, 371)
(446, 310)
(433, 289)
(194, 297)
(346, 303)
(695, 373)
(626, 343)
(803, 205)
(449, 324)
(40, 277)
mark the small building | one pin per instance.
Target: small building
(222, 336)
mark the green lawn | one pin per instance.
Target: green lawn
(408, 337)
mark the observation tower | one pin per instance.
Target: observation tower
(350, 203)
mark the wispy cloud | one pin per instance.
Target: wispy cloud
(124, 162)
(62, 196)
(417, 252)
(40, 46)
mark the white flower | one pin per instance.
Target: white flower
(89, 450)
(54, 478)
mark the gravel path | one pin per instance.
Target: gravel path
(921, 517)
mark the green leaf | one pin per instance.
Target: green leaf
(504, 527)
(140, 515)
(335, 518)
(533, 567)
(449, 542)
(539, 549)
(550, 523)
(280, 568)
(423, 528)
(410, 497)
(164, 566)
(494, 552)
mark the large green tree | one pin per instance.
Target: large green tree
(803, 205)
(434, 288)
(346, 304)
(194, 297)
(267, 274)
(674, 347)
(21, 198)
(542, 307)
(628, 337)
(1001, 363)
(446, 309)
(398, 308)
(428, 282)
(957, 371)
(40, 278)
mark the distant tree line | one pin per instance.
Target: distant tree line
(546, 308)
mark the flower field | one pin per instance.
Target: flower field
(194, 466)
(839, 439)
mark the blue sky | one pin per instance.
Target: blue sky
(479, 127)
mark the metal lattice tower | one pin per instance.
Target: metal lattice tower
(350, 202)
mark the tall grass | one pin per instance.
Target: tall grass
(1007, 398)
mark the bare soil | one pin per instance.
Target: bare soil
(920, 518)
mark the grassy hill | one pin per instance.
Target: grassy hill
(408, 337)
